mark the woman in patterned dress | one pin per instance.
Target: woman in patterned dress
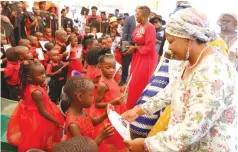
(203, 94)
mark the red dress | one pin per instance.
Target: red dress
(144, 62)
(75, 63)
(86, 129)
(114, 142)
(27, 129)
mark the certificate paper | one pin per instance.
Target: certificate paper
(41, 54)
(122, 126)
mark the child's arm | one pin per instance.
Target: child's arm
(98, 119)
(49, 71)
(37, 97)
(101, 90)
(107, 131)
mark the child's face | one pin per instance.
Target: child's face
(34, 42)
(74, 42)
(25, 54)
(87, 30)
(94, 30)
(76, 30)
(38, 74)
(40, 37)
(55, 55)
(68, 30)
(48, 33)
(3, 40)
(109, 42)
(87, 96)
(108, 67)
(104, 43)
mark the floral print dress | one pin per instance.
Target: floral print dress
(204, 109)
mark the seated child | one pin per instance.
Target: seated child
(78, 122)
(56, 70)
(40, 36)
(25, 42)
(48, 46)
(48, 35)
(68, 31)
(34, 45)
(11, 74)
(77, 144)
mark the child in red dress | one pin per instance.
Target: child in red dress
(108, 91)
(78, 123)
(36, 122)
(56, 70)
(75, 62)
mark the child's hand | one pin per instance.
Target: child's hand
(118, 101)
(65, 54)
(58, 125)
(107, 131)
(66, 64)
(110, 107)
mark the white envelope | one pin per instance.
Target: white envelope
(122, 126)
(42, 43)
(41, 54)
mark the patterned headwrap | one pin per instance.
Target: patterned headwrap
(190, 24)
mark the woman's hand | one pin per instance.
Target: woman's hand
(132, 114)
(136, 145)
(131, 50)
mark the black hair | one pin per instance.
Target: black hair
(94, 7)
(103, 13)
(76, 84)
(11, 54)
(62, 11)
(87, 40)
(100, 40)
(77, 144)
(49, 46)
(93, 55)
(25, 71)
(200, 42)
(106, 56)
(72, 37)
(22, 41)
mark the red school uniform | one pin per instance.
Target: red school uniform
(144, 62)
(50, 39)
(28, 129)
(11, 73)
(115, 141)
(86, 128)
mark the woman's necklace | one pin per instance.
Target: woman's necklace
(198, 57)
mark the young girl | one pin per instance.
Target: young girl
(87, 44)
(36, 122)
(108, 91)
(56, 70)
(75, 62)
(78, 123)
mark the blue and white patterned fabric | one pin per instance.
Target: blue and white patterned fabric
(142, 125)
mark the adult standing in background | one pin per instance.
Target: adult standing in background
(144, 58)
(117, 13)
(229, 24)
(128, 28)
(94, 19)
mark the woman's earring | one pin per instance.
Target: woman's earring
(187, 54)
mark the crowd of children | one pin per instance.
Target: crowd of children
(37, 84)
